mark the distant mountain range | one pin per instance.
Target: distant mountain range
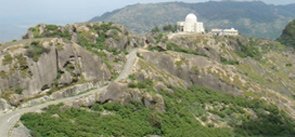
(253, 18)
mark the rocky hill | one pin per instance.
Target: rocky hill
(161, 84)
(253, 18)
(50, 58)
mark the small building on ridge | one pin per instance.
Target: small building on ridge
(191, 25)
(225, 32)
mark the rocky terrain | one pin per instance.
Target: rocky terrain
(162, 84)
(43, 62)
(251, 18)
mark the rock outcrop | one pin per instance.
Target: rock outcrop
(4, 105)
(37, 66)
(53, 57)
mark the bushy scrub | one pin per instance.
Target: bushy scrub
(250, 50)
(35, 50)
(93, 43)
(51, 31)
(228, 61)
(179, 119)
(7, 59)
(119, 120)
(56, 31)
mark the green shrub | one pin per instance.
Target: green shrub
(18, 90)
(3, 75)
(166, 28)
(22, 66)
(228, 62)
(170, 28)
(160, 37)
(178, 120)
(155, 30)
(288, 36)
(52, 31)
(250, 50)
(289, 65)
(35, 50)
(7, 59)
(87, 41)
(132, 77)
(155, 48)
(141, 84)
(129, 120)
(51, 27)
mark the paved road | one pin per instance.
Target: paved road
(9, 119)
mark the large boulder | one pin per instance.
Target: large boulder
(119, 92)
(4, 105)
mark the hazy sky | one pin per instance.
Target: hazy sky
(71, 10)
(17, 15)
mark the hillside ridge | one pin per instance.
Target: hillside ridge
(253, 18)
(158, 84)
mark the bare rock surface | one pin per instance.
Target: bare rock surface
(20, 131)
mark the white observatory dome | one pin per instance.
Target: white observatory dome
(191, 18)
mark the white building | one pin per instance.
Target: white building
(225, 32)
(191, 24)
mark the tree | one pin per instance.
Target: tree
(170, 28)
(288, 36)
(155, 30)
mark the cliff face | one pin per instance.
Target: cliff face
(29, 70)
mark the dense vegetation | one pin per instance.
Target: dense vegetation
(251, 49)
(51, 31)
(7, 59)
(288, 35)
(183, 107)
(166, 28)
(92, 43)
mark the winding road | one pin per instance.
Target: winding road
(9, 119)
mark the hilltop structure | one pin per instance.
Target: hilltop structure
(191, 25)
(225, 32)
